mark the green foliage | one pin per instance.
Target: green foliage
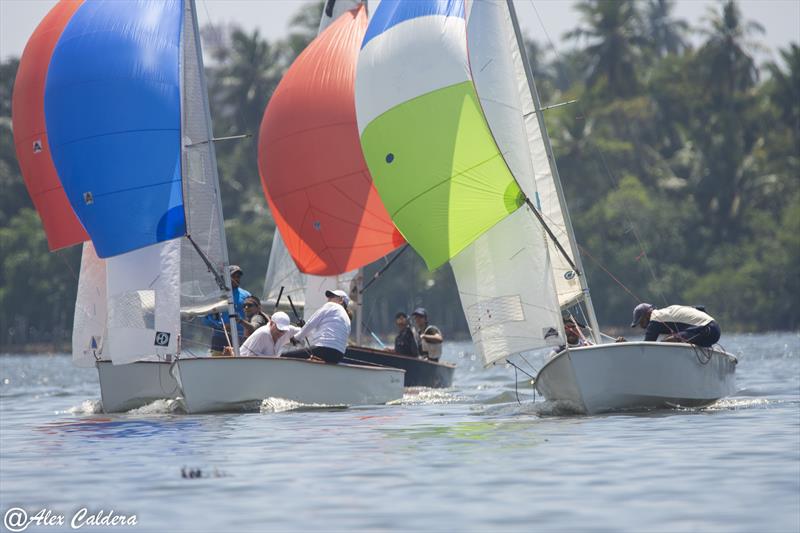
(680, 168)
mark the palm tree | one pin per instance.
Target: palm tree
(666, 35)
(785, 91)
(727, 51)
(612, 30)
(247, 79)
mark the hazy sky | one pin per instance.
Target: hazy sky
(780, 18)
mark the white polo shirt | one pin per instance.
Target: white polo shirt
(260, 342)
(329, 327)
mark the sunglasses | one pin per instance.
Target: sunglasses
(249, 305)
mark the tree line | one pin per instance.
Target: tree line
(680, 165)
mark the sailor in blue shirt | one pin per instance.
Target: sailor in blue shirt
(680, 322)
(218, 337)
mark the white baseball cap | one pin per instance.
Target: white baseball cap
(341, 294)
(281, 320)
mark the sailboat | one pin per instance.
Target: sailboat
(454, 138)
(122, 387)
(319, 189)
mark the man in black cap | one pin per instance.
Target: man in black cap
(405, 343)
(680, 323)
(430, 338)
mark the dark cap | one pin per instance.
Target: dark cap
(233, 269)
(639, 311)
(420, 311)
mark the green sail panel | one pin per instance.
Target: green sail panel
(439, 172)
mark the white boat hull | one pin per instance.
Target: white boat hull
(126, 387)
(637, 375)
(236, 383)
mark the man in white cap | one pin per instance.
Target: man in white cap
(680, 322)
(268, 341)
(327, 330)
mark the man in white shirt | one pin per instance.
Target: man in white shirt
(269, 340)
(327, 330)
(680, 322)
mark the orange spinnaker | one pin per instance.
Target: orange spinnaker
(30, 132)
(312, 169)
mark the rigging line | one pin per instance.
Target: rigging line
(607, 169)
(598, 263)
(383, 269)
(217, 276)
(552, 236)
(530, 365)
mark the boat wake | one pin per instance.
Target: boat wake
(527, 408)
(159, 407)
(86, 407)
(282, 405)
(426, 396)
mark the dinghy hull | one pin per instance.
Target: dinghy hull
(637, 375)
(241, 383)
(419, 372)
(126, 387)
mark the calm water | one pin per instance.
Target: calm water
(467, 458)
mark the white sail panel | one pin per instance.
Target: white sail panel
(89, 325)
(317, 285)
(506, 289)
(199, 288)
(282, 272)
(382, 85)
(144, 303)
(502, 87)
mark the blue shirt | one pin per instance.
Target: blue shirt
(239, 296)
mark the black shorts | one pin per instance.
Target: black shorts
(329, 355)
(704, 336)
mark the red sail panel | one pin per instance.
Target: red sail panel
(312, 169)
(30, 133)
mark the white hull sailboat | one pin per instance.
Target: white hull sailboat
(456, 132)
(636, 376)
(126, 387)
(237, 383)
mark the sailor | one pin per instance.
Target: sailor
(680, 323)
(575, 337)
(405, 343)
(219, 338)
(327, 330)
(268, 341)
(254, 316)
(430, 337)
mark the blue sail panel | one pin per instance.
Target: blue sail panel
(390, 13)
(113, 112)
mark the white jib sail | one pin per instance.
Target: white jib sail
(144, 302)
(505, 279)
(505, 96)
(89, 325)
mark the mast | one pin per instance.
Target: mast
(554, 170)
(225, 271)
